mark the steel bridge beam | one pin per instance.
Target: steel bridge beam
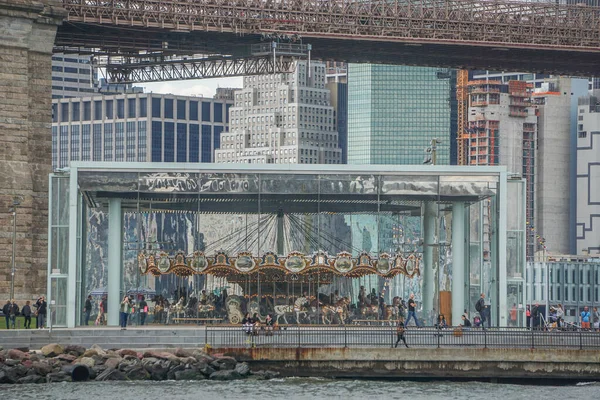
(173, 70)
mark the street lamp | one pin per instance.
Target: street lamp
(15, 204)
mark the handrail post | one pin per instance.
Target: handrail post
(485, 338)
(580, 341)
(205, 336)
(532, 338)
(439, 335)
(298, 326)
(345, 337)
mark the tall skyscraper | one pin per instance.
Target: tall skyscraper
(72, 76)
(587, 153)
(283, 119)
(137, 127)
(395, 111)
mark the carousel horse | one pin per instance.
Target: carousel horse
(336, 313)
(190, 308)
(176, 309)
(369, 311)
(233, 304)
(160, 306)
(315, 311)
(297, 308)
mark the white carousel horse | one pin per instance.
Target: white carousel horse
(176, 309)
(233, 305)
(338, 311)
(297, 308)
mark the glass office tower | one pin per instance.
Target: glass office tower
(394, 111)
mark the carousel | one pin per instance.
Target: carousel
(297, 288)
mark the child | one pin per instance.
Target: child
(400, 333)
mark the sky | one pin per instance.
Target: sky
(195, 87)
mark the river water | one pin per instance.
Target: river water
(295, 388)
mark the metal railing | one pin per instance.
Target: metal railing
(385, 337)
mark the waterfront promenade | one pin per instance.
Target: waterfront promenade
(359, 351)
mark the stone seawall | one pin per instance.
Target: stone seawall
(459, 363)
(55, 363)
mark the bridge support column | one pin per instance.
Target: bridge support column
(27, 31)
(428, 276)
(458, 262)
(115, 260)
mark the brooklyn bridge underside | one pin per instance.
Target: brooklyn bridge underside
(496, 35)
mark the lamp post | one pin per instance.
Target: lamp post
(15, 205)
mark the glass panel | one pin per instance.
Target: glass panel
(58, 310)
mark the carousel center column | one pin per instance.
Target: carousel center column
(429, 221)
(458, 262)
(115, 247)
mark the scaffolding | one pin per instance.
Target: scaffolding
(462, 98)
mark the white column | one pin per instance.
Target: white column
(458, 262)
(115, 241)
(73, 256)
(501, 223)
(427, 275)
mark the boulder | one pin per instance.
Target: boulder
(87, 361)
(202, 356)
(206, 370)
(66, 357)
(224, 363)
(179, 352)
(173, 370)
(131, 358)
(15, 354)
(42, 368)
(52, 350)
(90, 353)
(75, 350)
(20, 370)
(58, 377)
(23, 349)
(98, 350)
(27, 363)
(7, 375)
(36, 357)
(187, 360)
(138, 373)
(148, 362)
(112, 363)
(159, 371)
(127, 352)
(11, 363)
(32, 379)
(225, 375)
(189, 375)
(111, 375)
(243, 369)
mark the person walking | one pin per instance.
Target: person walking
(484, 311)
(585, 319)
(400, 329)
(143, 310)
(36, 312)
(26, 311)
(125, 310)
(87, 310)
(596, 318)
(6, 312)
(42, 311)
(412, 313)
(14, 311)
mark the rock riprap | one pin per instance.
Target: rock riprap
(54, 363)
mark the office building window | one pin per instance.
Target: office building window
(87, 110)
(218, 112)
(168, 109)
(64, 112)
(193, 110)
(74, 142)
(130, 142)
(108, 109)
(181, 143)
(119, 141)
(156, 140)
(64, 147)
(131, 108)
(108, 142)
(120, 108)
(156, 107)
(97, 142)
(206, 144)
(180, 109)
(206, 111)
(142, 140)
(194, 143)
(75, 111)
(143, 104)
(54, 147)
(85, 142)
(98, 110)
(227, 107)
(169, 142)
(54, 112)
(217, 131)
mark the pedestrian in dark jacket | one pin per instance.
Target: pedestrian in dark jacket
(14, 311)
(26, 311)
(6, 312)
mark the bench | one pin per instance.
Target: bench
(198, 320)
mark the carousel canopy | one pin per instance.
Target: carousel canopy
(263, 189)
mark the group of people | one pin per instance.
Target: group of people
(252, 324)
(11, 311)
